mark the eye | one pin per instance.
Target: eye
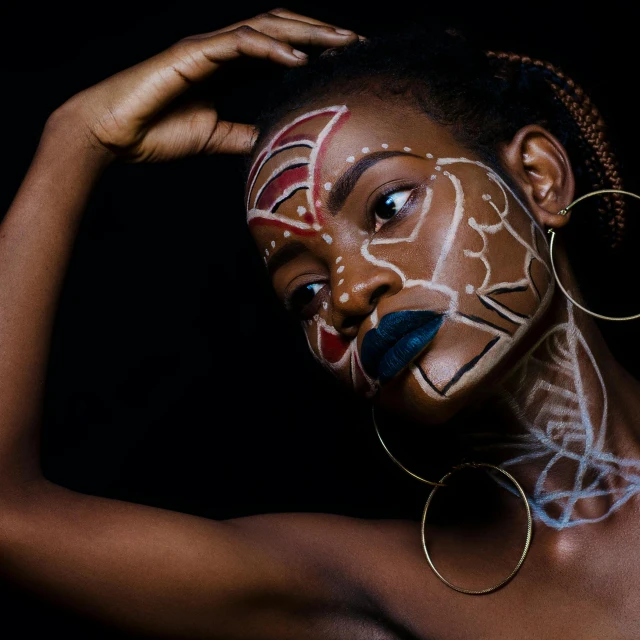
(388, 205)
(302, 298)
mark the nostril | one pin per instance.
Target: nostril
(378, 293)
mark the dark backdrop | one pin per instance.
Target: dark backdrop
(175, 379)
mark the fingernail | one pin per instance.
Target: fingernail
(344, 32)
(300, 54)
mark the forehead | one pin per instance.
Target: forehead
(306, 154)
(345, 126)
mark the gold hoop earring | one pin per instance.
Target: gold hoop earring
(442, 483)
(563, 212)
(527, 544)
(413, 475)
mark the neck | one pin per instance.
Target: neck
(569, 434)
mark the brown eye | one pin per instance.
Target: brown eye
(389, 205)
(303, 296)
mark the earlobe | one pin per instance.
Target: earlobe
(540, 167)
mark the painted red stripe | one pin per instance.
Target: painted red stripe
(287, 132)
(276, 188)
(332, 346)
(320, 159)
(285, 140)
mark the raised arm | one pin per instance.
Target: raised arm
(139, 567)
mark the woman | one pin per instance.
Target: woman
(412, 248)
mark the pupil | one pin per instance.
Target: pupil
(303, 296)
(387, 209)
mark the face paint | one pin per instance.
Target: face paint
(336, 353)
(421, 263)
(293, 161)
(566, 427)
(447, 258)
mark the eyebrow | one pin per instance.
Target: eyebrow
(284, 255)
(348, 180)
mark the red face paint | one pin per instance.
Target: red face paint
(299, 170)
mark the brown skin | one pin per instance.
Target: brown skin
(355, 287)
(278, 576)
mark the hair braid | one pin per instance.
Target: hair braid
(599, 161)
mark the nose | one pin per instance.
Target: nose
(356, 291)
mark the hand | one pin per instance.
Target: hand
(133, 114)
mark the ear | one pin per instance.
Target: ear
(540, 166)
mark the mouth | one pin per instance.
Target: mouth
(397, 341)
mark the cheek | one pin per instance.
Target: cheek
(331, 349)
(492, 261)
(338, 355)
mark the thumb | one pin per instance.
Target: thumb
(232, 137)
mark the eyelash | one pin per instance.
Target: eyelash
(384, 196)
(311, 308)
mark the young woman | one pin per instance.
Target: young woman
(400, 203)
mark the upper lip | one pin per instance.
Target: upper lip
(397, 340)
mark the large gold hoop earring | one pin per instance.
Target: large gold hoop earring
(413, 475)
(442, 483)
(527, 544)
(563, 212)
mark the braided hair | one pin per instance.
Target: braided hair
(484, 97)
(596, 155)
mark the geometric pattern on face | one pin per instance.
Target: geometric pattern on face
(293, 165)
(293, 162)
(337, 354)
(489, 310)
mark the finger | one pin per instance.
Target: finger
(285, 13)
(232, 137)
(294, 30)
(190, 61)
(291, 15)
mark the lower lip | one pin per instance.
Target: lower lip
(406, 350)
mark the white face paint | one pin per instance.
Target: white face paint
(461, 244)
(503, 325)
(292, 186)
(565, 424)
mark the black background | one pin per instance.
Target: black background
(175, 379)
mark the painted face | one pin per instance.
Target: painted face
(413, 267)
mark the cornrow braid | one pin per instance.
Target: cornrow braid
(598, 159)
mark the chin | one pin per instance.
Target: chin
(408, 397)
(404, 397)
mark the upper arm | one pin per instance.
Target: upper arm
(160, 571)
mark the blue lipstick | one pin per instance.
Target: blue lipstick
(397, 341)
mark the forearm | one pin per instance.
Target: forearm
(36, 239)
